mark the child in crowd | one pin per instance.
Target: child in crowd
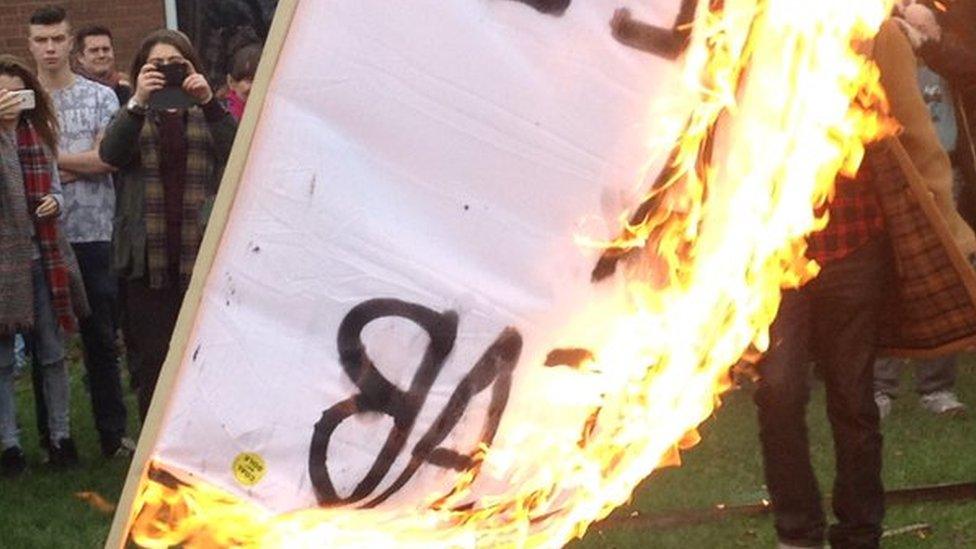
(243, 67)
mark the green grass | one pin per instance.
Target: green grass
(726, 467)
(40, 510)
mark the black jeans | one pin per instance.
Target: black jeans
(148, 319)
(833, 320)
(98, 338)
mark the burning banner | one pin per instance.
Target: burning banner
(421, 320)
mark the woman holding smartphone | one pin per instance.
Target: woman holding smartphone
(36, 290)
(170, 144)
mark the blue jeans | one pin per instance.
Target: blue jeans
(20, 354)
(834, 320)
(98, 338)
(937, 374)
(49, 354)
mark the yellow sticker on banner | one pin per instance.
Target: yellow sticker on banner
(249, 468)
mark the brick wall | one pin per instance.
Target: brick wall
(129, 21)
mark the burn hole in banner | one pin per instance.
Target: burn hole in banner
(378, 394)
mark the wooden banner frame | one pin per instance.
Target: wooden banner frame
(121, 523)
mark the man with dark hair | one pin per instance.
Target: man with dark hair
(84, 109)
(48, 15)
(95, 58)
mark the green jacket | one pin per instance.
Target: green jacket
(120, 148)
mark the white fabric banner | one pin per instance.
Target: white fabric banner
(400, 258)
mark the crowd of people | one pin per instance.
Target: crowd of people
(106, 182)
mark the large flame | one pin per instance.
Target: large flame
(786, 103)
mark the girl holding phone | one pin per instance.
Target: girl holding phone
(169, 157)
(37, 268)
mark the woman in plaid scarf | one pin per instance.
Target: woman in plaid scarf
(170, 144)
(35, 278)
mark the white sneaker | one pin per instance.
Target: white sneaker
(883, 400)
(943, 403)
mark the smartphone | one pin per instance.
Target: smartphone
(171, 96)
(27, 99)
(174, 73)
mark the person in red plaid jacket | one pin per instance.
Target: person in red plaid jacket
(837, 320)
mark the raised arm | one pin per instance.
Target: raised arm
(223, 129)
(119, 146)
(952, 59)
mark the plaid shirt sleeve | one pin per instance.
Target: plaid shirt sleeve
(854, 219)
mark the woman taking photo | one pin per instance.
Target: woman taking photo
(170, 144)
(36, 291)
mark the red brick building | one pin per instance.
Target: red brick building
(129, 21)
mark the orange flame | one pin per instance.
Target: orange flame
(785, 103)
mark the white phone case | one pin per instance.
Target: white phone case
(27, 100)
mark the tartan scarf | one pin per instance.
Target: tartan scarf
(199, 170)
(37, 168)
(16, 248)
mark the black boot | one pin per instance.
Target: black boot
(63, 453)
(12, 462)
